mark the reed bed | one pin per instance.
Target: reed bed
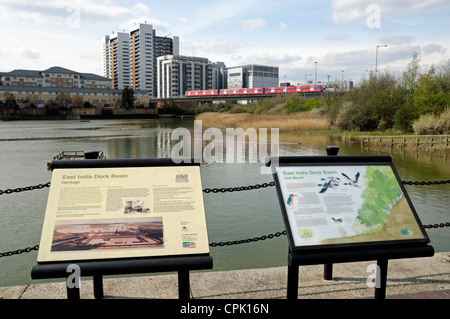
(302, 121)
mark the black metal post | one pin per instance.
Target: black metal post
(98, 286)
(73, 293)
(328, 268)
(292, 281)
(183, 285)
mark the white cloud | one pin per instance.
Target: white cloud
(210, 47)
(283, 26)
(57, 12)
(29, 54)
(336, 37)
(396, 40)
(253, 24)
(275, 58)
(157, 24)
(360, 10)
(183, 20)
(433, 48)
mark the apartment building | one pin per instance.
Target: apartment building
(116, 59)
(56, 77)
(131, 57)
(40, 97)
(177, 74)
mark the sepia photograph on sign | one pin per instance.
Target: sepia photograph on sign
(108, 234)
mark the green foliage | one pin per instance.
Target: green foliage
(432, 94)
(385, 102)
(381, 192)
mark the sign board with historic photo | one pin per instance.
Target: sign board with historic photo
(119, 212)
(345, 201)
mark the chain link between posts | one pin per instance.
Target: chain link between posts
(215, 190)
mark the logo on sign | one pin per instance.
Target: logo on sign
(189, 244)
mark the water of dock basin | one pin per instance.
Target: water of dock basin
(27, 146)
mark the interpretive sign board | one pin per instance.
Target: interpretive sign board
(345, 201)
(122, 212)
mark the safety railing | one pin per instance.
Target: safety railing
(215, 191)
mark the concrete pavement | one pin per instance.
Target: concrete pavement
(407, 278)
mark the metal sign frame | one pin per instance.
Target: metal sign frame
(344, 162)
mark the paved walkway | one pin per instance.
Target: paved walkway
(422, 278)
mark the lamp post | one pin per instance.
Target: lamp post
(342, 80)
(315, 73)
(376, 57)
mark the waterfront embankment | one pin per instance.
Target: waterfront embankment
(77, 113)
(415, 278)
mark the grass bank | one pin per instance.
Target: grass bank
(302, 121)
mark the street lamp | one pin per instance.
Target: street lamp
(376, 57)
(315, 73)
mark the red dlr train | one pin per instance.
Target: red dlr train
(257, 91)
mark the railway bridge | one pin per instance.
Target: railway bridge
(226, 99)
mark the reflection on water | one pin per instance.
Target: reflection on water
(27, 146)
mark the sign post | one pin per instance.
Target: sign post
(127, 216)
(346, 209)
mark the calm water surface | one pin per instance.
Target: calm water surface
(27, 146)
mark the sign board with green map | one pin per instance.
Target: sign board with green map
(350, 201)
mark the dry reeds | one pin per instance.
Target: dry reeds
(302, 121)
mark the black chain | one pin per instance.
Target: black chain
(23, 189)
(426, 183)
(437, 225)
(249, 240)
(238, 189)
(218, 190)
(19, 251)
(220, 244)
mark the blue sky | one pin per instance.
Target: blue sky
(340, 35)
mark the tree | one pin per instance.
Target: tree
(372, 105)
(9, 101)
(432, 94)
(412, 73)
(128, 97)
(77, 101)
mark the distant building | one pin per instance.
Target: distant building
(178, 74)
(63, 87)
(40, 97)
(116, 59)
(130, 58)
(250, 76)
(56, 77)
(219, 75)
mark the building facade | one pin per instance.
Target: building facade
(252, 75)
(177, 74)
(55, 77)
(131, 57)
(116, 59)
(41, 97)
(57, 86)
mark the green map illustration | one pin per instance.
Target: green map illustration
(381, 192)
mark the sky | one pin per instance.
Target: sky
(313, 40)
